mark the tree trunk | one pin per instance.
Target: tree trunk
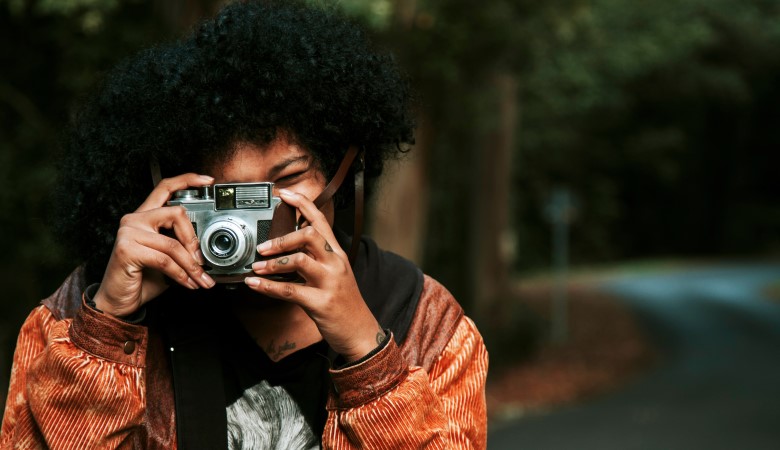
(493, 236)
(399, 207)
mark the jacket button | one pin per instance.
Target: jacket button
(129, 347)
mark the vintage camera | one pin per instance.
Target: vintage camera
(231, 220)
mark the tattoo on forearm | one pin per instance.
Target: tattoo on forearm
(276, 351)
(328, 248)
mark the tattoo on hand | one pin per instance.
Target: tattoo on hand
(282, 261)
(328, 248)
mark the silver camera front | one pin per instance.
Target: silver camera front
(226, 243)
(229, 220)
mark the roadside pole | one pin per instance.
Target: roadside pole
(560, 212)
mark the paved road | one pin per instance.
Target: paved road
(717, 388)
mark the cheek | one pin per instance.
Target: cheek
(311, 187)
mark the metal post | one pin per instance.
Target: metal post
(561, 212)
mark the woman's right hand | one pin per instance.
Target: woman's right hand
(142, 257)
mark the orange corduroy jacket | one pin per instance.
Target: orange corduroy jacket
(82, 379)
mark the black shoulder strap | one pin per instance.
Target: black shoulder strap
(198, 377)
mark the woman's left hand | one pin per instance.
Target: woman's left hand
(330, 295)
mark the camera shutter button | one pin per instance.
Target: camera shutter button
(129, 347)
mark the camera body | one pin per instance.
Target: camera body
(230, 220)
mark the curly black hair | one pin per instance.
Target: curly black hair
(257, 69)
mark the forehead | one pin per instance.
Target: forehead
(250, 162)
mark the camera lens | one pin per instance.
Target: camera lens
(227, 243)
(223, 243)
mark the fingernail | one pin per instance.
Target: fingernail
(207, 279)
(259, 265)
(192, 284)
(252, 282)
(264, 246)
(207, 178)
(286, 193)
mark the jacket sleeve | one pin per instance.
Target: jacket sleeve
(385, 404)
(75, 383)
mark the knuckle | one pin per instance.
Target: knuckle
(309, 232)
(182, 276)
(166, 184)
(180, 212)
(163, 261)
(288, 290)
(301, 260)
(278, 243)
(121, 247)
(125, 220)
(327, 301)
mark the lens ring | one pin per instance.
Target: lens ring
(223, 243)
(227, 243)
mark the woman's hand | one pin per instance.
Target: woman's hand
(330, 295)
(142, 256)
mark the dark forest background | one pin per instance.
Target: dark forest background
(660, 117)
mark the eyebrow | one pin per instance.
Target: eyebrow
(275, 170)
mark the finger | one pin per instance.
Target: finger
(299, 262)
(163, 191)
(308, 210)
(172, 218)
(171, 248)
(291, 292)
(149, 258)
(308, 238)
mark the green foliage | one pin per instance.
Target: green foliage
(654, 112)
(376, 14)
(658, 115)
(90, 14)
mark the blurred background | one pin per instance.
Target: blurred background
(566, 149)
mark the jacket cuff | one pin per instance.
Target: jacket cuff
(109, 338)
(359, 384)
(89, 298)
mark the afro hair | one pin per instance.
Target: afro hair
(257, 69)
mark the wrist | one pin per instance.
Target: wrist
(102, 304)
(97, 299)
(367, 349)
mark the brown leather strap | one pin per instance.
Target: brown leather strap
(333, 186)
(335, 182)
(359, 199)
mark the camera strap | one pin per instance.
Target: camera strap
(354, 159)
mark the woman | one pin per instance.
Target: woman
(143, 347)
